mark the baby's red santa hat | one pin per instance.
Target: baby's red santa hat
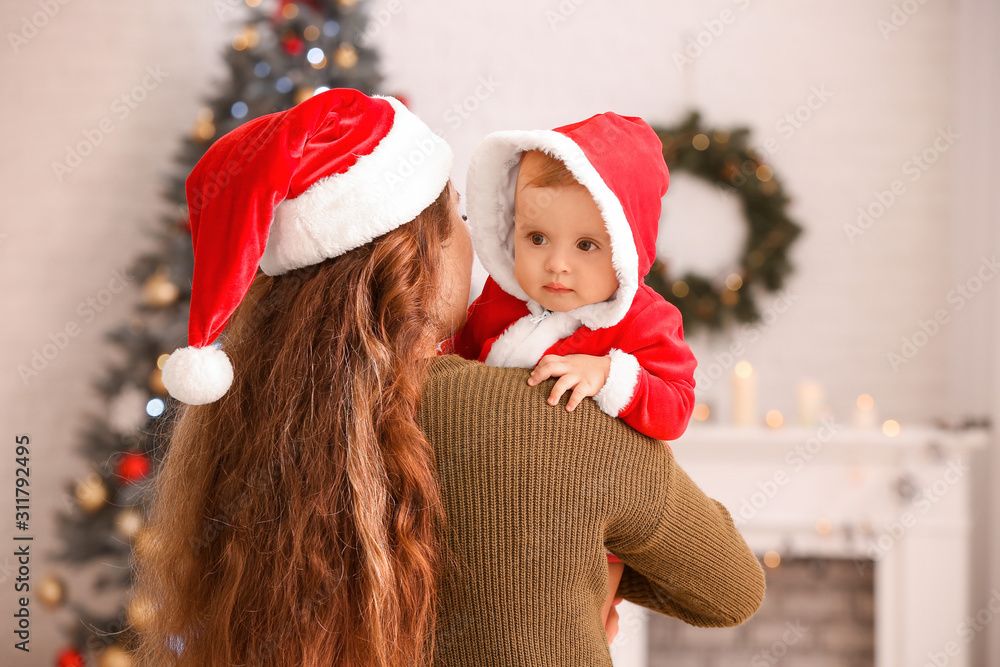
(288, 190)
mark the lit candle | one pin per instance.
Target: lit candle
(744, 396)
(808, 401)
(865, 415)
(701, 412)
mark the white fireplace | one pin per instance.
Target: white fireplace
(900, 503)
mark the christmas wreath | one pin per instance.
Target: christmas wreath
(723, 158)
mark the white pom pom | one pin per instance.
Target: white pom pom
(197, 375)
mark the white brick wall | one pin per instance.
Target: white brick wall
(855, 301)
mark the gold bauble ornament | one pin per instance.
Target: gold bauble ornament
(204, 131)
(51, 591)
(115, 656)
(251, 36)
(303, 94)
(158, 291)
(156, 382)
(347, 4)
(91, 493)
(345, 56)
(729, 298)
(129, 522)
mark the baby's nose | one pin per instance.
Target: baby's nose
(556, 262)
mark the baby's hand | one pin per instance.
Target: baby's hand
(583, 373)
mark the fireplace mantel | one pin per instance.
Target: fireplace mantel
(900, 504)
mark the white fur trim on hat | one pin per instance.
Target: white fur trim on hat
(619, 388)
(492, 175)
(387, 188)
(197, 375)
(524, 342)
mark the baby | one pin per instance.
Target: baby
(565, 221)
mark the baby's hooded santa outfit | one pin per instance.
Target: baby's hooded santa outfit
(619, 160)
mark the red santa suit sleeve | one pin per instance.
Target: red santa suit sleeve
(489, 315)
(651, 383)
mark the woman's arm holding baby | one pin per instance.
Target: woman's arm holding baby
(694, 564)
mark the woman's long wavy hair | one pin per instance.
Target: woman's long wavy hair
(296, 520)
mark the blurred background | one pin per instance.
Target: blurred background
(830, 235)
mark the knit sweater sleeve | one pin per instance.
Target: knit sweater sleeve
(694, 565)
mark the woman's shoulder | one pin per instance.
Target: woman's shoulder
(451, 377)
(450, 364)
(471, 394)
(448, 370)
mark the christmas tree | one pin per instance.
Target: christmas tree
(282, 54)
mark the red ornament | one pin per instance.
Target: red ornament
(294, 46)
(132, 467)
(69, 657)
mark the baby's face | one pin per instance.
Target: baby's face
(562, 252)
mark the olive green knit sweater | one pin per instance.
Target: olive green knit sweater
(532, 494)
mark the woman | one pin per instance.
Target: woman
(334, 493)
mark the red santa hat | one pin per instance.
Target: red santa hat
(291, 189)
(619, 159)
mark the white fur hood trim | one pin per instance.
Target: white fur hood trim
(490, 202)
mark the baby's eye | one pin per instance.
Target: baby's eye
(586, 246)
(537, 239)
